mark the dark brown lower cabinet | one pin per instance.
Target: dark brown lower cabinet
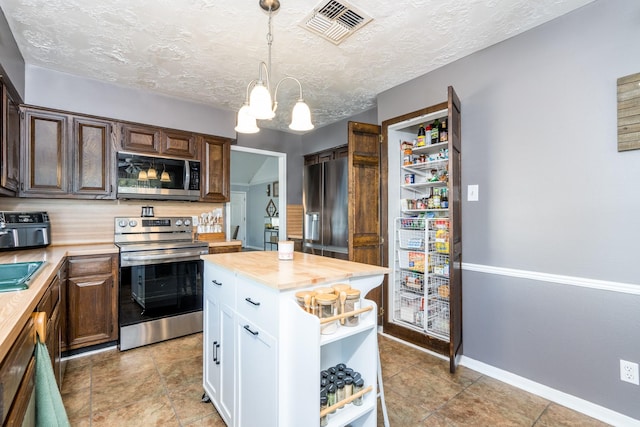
(92, 310)
(50, 304)
(17, 377)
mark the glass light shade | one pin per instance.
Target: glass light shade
(142, 176)
(151, 173)
(301, 117)
(164, 177)
(260, 104)
(246, 122)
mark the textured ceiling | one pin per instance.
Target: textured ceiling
(208, 50)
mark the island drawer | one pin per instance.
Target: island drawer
(220, 280)
(257, 303)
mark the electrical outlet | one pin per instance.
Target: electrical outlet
(629, 372)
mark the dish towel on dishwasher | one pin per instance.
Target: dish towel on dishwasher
(50, 410)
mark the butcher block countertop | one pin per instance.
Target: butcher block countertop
(17, 306)
(303, 270)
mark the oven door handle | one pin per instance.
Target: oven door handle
(157, 257)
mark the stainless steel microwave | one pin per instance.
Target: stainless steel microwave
(159, 178)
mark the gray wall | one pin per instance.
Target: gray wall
(53, 89)
(335, 134)
(10, 57)
(539, 136)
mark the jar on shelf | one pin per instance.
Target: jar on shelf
(340, 391)
(358, 385)
(324, 420)
(327, 307)
(348, 387)
(324, 290)
(352, 303)
(331, 396)
(305, 300)
(340, 287)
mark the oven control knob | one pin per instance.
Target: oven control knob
(187, 222)
(122, 223)
(178, 222)
(133, 223)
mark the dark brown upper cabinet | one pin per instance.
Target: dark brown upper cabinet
(65, 155)
(9, 144)
(215, 164)
(92, 157)
(153, 140)
(177, 143)
(45, 168)
(140, 138)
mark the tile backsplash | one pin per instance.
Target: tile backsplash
(91, 221)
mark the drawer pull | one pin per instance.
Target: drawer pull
(254, 333)
(215, 282)
(249, 300)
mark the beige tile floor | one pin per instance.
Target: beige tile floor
(161, 385)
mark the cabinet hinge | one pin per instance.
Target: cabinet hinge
(380, 138)
(381, 311)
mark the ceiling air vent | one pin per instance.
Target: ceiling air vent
(335, 20)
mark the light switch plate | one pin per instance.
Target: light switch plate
(472, 193)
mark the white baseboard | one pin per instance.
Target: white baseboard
(591, 409)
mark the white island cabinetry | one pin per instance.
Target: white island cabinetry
(263, 354)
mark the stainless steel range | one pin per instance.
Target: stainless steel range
(160, 279)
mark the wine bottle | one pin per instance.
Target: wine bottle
(435, 132)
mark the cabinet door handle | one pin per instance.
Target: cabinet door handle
(254, 333)
(249, 300)
(215, 282)
(215, 352)
(218, 358)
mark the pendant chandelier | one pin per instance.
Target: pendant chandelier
(258, 104)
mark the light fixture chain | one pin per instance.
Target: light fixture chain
(269, 42)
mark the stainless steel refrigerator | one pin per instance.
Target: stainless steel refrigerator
(325, 204)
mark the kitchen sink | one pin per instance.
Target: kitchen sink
(15, 276)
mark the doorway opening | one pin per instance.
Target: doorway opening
(258, 184)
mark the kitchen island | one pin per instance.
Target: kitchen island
(263, 353)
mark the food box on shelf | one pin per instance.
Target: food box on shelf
(439, 264)
(413, 281)
(411, 308)
(411, 239)
(412, 223)
(410, 260)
